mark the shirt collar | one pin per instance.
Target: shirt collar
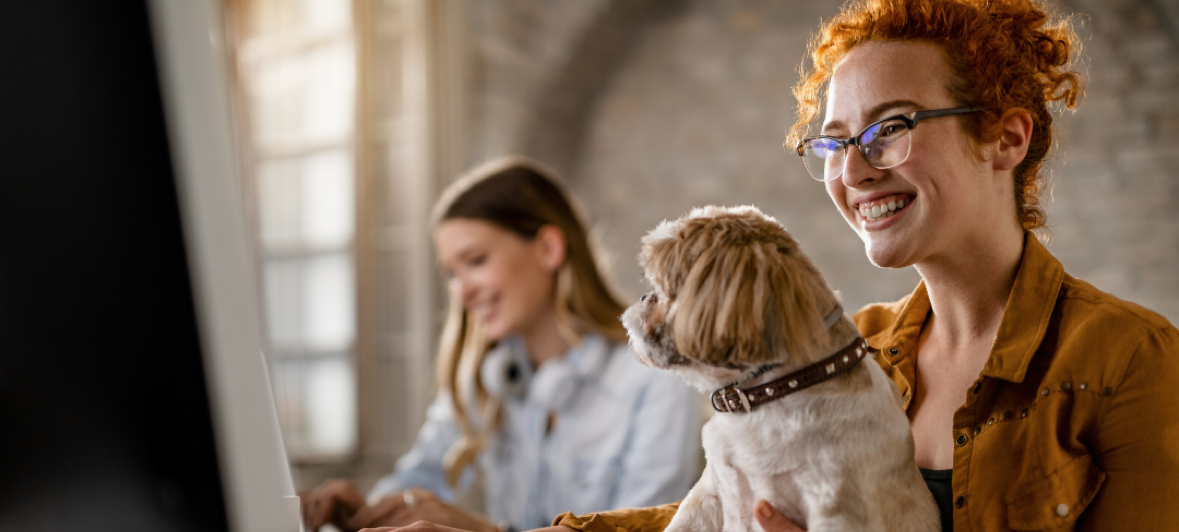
(1028, 312)
(589, 355)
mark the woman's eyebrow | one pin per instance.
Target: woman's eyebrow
(874, 113)
(463, 253)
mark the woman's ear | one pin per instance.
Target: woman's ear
(551, 247)
(1014, 140)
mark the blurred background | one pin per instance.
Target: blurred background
(355, 114)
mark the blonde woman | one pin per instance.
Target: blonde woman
(538, 390)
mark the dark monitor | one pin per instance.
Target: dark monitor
(133, 395)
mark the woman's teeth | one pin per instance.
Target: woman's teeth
(482, 311)
(882, 210)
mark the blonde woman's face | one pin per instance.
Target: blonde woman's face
(502, 279)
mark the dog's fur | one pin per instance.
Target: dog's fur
(731, 292)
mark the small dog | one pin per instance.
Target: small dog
(738, 311)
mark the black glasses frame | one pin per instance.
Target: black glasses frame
(909, 119)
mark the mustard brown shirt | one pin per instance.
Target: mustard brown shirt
(1073, 423)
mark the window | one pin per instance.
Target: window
(342, 167)
(298, 85)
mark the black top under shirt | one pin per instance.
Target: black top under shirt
(938, 481)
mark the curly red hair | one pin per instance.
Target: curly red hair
(1004, 54)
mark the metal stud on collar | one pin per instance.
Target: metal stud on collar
(733, 398)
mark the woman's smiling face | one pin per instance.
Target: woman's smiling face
(500, 277)
(940, 199)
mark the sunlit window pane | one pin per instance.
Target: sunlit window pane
(280, 197)
(276, 94)
(307, 201)
(330, 302)
(282, 286)
(328, 199)
(316, 400)
(327, 15)
(328, 95)
(310, 302)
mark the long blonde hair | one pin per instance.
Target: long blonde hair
(521, 196)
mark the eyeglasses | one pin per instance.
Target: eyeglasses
(883, 144)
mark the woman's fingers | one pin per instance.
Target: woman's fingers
(773, 521)
(419, 509)
(388, 511)
(346, 494)
(333, 502)
(416, 526)
(317, 508)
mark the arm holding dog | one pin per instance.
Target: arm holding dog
(656, 519)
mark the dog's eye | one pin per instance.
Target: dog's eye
(648, 295)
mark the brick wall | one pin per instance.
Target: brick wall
(650, 108)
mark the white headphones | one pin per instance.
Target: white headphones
(507, 372)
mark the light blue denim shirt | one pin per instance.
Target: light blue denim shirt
(625, 436)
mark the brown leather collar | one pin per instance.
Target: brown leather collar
(735, 399)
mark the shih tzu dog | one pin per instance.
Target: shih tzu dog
(803, 420)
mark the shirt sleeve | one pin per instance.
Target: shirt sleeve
(653, 519)
(664, 455)
(422, 466)
(1137, 442)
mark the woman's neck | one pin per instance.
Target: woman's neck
(968, 291)
(543, 339)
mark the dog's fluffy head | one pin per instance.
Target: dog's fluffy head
(730, 291)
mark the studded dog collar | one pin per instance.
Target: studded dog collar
(736, 399)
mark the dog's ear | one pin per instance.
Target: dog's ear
(746, 292)
(796, 295)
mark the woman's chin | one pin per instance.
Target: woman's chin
(493, 330)
(495, 334)
(883, 255)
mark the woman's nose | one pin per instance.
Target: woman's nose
(462, 288)
(856, 170)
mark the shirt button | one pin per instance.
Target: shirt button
(1062, 509)
(960, 502)
(961, 440)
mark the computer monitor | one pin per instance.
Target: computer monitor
(133, 394)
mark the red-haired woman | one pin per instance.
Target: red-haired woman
(1037, 402)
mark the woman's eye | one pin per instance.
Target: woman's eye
(478, 260)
